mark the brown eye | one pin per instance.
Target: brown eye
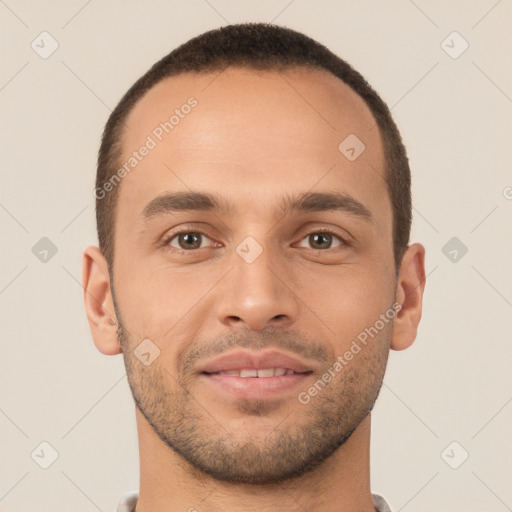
(321, 240)
(187, 241)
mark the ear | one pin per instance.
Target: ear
(409, 293)
(99, 305)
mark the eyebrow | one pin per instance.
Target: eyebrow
(306, 202)
(324, 202)
(187, 201)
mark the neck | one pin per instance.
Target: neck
(170, 484)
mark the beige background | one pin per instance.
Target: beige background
(456, 118)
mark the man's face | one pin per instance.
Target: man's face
(225, 292)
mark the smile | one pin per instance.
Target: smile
(253, 372)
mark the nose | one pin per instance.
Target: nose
(258, 295)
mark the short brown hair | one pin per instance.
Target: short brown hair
(263, 47)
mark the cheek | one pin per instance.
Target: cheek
(167, 306)
(154, 292)
(347, 300)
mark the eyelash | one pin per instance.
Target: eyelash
(327, 231)
(166, 241)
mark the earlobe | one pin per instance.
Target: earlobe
(409, 293)
(99, 305)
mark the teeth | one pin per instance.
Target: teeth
(252, 372)
(268, 372)
(248, 373)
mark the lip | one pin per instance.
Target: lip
(254, 387)
(242, 359)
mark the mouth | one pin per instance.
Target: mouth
(255, 373)
(245, 374)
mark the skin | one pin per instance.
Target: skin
(253, 138)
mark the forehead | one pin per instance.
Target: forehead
(252, 134)
(242, 96)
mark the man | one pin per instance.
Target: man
(254, 268)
